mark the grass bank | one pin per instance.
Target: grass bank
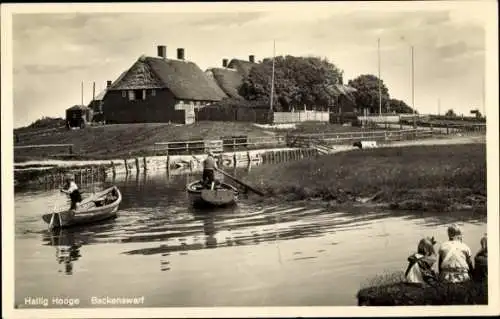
(395, 292)
(122, 140)
(109, 141)
(316, 127)
(427, 178)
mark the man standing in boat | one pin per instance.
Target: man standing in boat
(72, 191)
(209, 166)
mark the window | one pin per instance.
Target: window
(131, 95)
(153, 92)
(124, 93)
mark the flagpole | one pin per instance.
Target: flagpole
(484, 98)
(413, 88)
(272, 76)
(379, 80)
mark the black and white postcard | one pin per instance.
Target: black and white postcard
(219, 159)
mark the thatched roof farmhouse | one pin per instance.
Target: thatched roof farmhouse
(230, 76)
(160, 89)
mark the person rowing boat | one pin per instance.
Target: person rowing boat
(209, 167)
(72, 191)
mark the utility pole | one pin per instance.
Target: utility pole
(82, 95)
(379, 81)
(272, 76)
(413, 88)
(439, 106)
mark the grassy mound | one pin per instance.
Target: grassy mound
(416, 177)
(101, 142)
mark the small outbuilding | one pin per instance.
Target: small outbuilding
(78, 116)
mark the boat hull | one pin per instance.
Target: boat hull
(226, 195)
(86, 214)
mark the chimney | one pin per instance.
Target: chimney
(162, 51)
(180, 54)
(251, 58)
(108, 84)
(224, 63)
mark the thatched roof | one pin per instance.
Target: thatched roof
(101, 95)
(183, 78)
(242, 66)
(229, 80)
(77, 107)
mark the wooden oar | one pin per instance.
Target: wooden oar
(256, 191)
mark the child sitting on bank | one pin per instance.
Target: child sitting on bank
(419, 270)
(480, 272)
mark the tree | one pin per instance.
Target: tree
(367, 95)
(298, 81)
(450, 113)
(399, 107)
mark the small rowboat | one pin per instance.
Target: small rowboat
(221, 195)
(98, 207)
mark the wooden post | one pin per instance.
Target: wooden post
(447, 129)
(145, 162)
(126, 166)
(113, 169)
(168, 165)
(234, 159)
(249, 158)
(137, 165)
(71, 149)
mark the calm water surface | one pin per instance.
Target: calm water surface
(250, 255)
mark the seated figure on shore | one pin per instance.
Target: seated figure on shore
(419, 270)
(455, 258)
(481, 261)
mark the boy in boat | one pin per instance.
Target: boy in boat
(209, 165)
(72, 191)
(420, 264)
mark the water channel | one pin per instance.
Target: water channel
(254, 254)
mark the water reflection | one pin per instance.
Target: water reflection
(67, 249)
(156, 209)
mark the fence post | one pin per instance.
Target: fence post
(168, 165)
(71, 149)
(113, 169)
(145, 163)
(126, 166)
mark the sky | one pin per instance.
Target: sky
(55, 51)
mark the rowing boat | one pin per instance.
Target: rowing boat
(221, 195)
(98, 207)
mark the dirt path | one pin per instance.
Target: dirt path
(432, 141)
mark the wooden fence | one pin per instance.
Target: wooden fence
(301, 116)
(234, 114)
(232, 143)
(306, 140)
